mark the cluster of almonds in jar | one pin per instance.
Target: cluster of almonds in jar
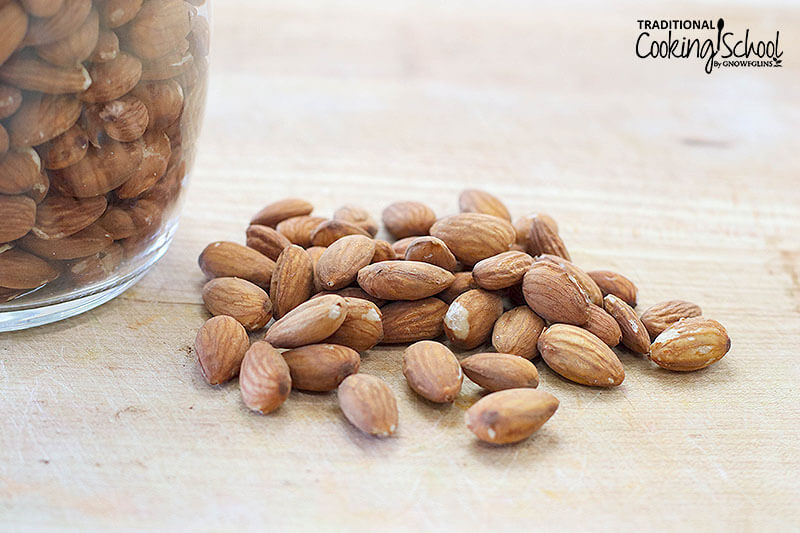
(100, 105)
(335, 291)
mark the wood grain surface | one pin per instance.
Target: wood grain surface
(686, 182)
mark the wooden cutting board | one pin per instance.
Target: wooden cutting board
(685, 182)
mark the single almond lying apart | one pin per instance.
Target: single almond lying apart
(432, 371)
(368, 403)
(220, 345)
(690, 344)
(511, 415)
(264, 379)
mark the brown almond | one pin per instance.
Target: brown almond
(308, 323)
(66, 20)
(522, 227)
(244, 301)
(603, 325)
(321, 367)
(112, 79)
(500, 371)
(65, 149)
(299, 229)
(662, 315)
(21, 270)
(476, 201)
(102, 170)
(511, 415)
(690, 344)
(88, 241)
(155, 160)
(580, 356)
(97, 267)
(10, 99)
(106, 48)
(401, 246)
(431, 250)
(19, 171)
(331, 231)
(14, 22)
(266, 240)
(634, 334)
(43, 117)
(61, 216)
(339, 264)
(220, 345)
(40, 188)
(276, 212)
(462, 282)
(292, 281)
(583, 279)
(403, 280)
(358, 216)
(228, 259)
(264, 379)
(368, 403)
(353, 292)
(362, 328)
(124, 119)
(75, 47)
(616, 284)
(543, 240)
(315, 252)
(517, 332)
(502, 270)
(554, 295)
(18, 214)
(474, 236)
(383, 252)
(413, 321)
(404, 219)
(158, 28)
(116, 13)
(432, 371)
(164, 102)
(117, 223)
(28, 72)
(470, 318)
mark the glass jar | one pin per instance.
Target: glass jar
(101, 103)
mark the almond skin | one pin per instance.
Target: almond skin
(502, 270)
(470, 318)
(19, 217)
(220, 345)
(583, 279)
(292, 282)
(42, 118)
(30, 73)
(405, 219)
(543, 240)
(61, 216)
(616, 284)
(413, 321)
(383, 252)
(21, 270)
(321, 367)
(517, 332)
(431, 250)
(554, 295)
(432, 371)
(228, 259)
(522, 226)
(339, 264)
(358, 216)
(10, 98)
(403, 280)
(362, 328)
(88, 241)
(500, 371)
(690, 344)
(634, 334)
(474, 236)
(244, 301)
(402, 245)
(308, 323)
(463, 282)
(662, 315)
(112, 79)
(511, 415)
(64, 150)
(331, 231)
(298, 229)
(368, 403)
(604, 326)
(580, 356)
(266, 240)
(19, 171)
(272, 214)
(476, 201)
(264, 379)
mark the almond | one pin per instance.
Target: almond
(470, 318)
(21, 270)
(368, 403)
(107, 47)
(315, 252)
(10, 97)
(97, 267)
(293, 280)
(358, 216)
(405, 219)
(522, 226)
(18, 214)
(266, 240)
(65, 149)
(61, 216)
(117, 223)
(19, 171)
(543, 240)
(634, 334)
(662, 315)
(432, 371)
(462, 282)
(554, 295)
(339, 264)
(40, 188)
(75, 47)
(158, 28)
(220, 345)
(331, 231)
(603, 325)
(66, 20)
(244, 301)
(383, 252)
(474, 236)
(14, 23)
(616, 284)
(112, 79)
(88, 241)
(30, 73)
(264, 380)
(403, 280)
(124, 119)
(321, 367)
(42, 8)
(511, 415)
(431, 250)
(227, 259)
(102, 170)
(276, 212)
(155, 159)
(299, 229)
(413, 321)
(308, 323)
(476, 201)
(583, 279)
(362, 328)
(502, 270)
(580, 356)
(116, 13)
(353, 292)
(689, 344)
(517, 331)
(401, 246)
(43, 117)
(500, 371)
(163, 100)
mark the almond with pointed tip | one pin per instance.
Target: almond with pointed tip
(603, 325)
(634, 334)
(470, 318)
(276, 212)
(477, 201)
(220, 345)
(405, 219)
(690, 344)
(21, 270)
(321, 367)
(292, 281)
(522, 227)
(585, 282)
(543, 240)
(474, 236)
(308, 323)
(358, 216)
(362, 328)
(616, 284)
(432, 371)
(229, 259)
(580, 356)
(517, 332)
(411, 321)
(500, 371)
(403, 280)
(511, 415)
(431, 250)
(339, 264)
(30, 73)
(502, 270)
(244, 301)
(369, 404)
(264, 379)
(662, 315)
(112, 79)
(266, 240)
(554, 295)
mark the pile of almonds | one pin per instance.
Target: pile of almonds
(335, 291)
(100, 105)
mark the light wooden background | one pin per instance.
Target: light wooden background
(687, 183)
